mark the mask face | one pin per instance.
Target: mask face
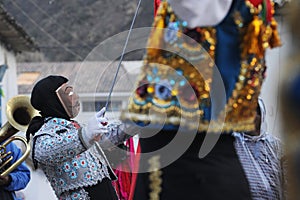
(69, 99)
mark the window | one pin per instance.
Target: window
(92, 106)
(27, 78)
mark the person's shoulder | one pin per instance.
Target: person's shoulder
(51, 126)
(275, 142)
(57, 120)
(273, 138)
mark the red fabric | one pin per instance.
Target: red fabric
(122, 186)
(76, 125)
(156, 5)
(256, 2)
(126, 179)
(136, 161)
(268, 7)
(269, 10)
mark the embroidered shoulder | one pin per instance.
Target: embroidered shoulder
(53, 125)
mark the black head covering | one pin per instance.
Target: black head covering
(45, 100)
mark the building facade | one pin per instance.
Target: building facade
(13, 40)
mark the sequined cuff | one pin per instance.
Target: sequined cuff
(117, 134)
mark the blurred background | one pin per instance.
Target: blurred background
(39, 38)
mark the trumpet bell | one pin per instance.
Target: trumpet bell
(19, 112)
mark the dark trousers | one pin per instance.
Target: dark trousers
(103, 190)
(5, 195)
(217, 176)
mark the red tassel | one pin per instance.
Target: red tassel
(275, 38)
(269, 10)
(256, 2)
(156, 5)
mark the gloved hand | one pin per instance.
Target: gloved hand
(100, 117)
(95, 128)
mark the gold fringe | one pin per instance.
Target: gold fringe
(275, 38)
(252, 40)
(157, 33)
(155, 178)
(192, 124)
(259, 35)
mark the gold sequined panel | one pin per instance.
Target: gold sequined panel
(241, 106)
(174, 84)
(177, 72)
(257, 37)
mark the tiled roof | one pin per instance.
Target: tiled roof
(86, 77)
(12, 35)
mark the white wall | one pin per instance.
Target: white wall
(9, 82)
(276, 61)
(38, 188)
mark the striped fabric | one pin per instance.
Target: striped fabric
(261, 159)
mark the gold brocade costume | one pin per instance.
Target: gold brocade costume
(176, 81)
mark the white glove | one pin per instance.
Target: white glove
(95, 128)
(100, 117)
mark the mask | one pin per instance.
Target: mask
(69, 100)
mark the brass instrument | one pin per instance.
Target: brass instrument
(19, 113)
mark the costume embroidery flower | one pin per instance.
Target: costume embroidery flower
(163, 90)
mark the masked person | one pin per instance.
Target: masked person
(201, 77)
(67, 151)
(261, 155)
(17, 179)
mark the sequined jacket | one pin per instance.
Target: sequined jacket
(210, 75)
(67, 163)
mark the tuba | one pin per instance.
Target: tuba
(19, 112)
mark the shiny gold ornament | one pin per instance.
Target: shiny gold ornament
(275, 39)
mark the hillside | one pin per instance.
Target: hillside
(69, 30)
